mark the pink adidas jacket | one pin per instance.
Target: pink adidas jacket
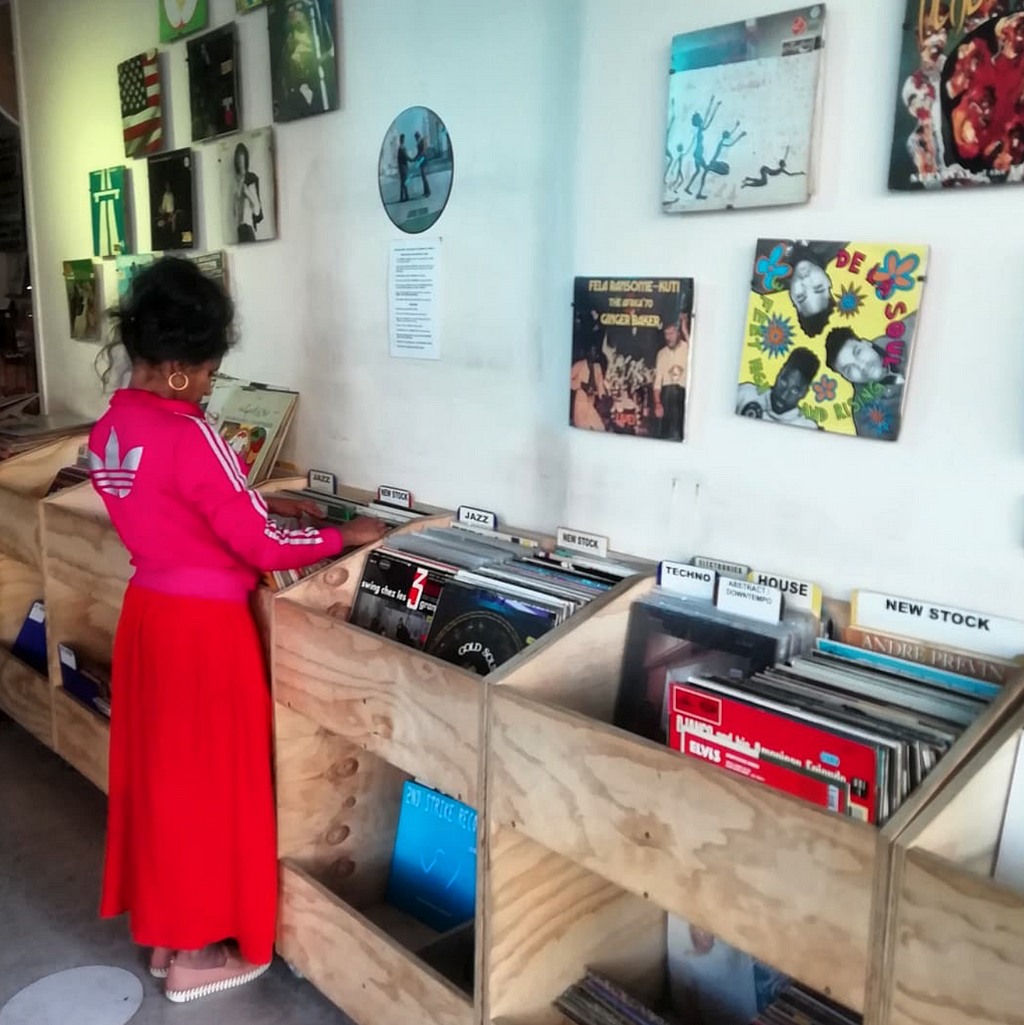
(177, 497)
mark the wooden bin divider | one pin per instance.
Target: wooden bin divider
(955, 937)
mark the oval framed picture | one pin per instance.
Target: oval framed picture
(417, 165)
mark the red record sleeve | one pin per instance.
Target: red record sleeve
(811, 763)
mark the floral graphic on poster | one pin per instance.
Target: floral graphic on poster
(959, 115)
(830, 333)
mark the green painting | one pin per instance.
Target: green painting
(107, 191)
(181, 18)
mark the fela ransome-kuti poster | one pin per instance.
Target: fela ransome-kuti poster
(959, 117)
(631, 356)
(829, 335)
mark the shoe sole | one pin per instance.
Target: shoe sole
(184, 996)
(158, 973)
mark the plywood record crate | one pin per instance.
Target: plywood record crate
(357, 716)
(596, 834)
(955, 942)
(25, 693)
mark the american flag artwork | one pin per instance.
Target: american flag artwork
(141, 115)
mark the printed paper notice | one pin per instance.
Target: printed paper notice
(413, 299)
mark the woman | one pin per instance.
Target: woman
(248, 205)
(191, 837)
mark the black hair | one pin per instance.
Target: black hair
(173, 314)
(244, 150)
(812, 325)
(837, 338)
(805, 361)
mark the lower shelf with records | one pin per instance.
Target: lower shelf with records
(710, 835)
(345, 922)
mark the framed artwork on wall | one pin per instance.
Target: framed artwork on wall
(213, 86)
(248, 186)
(109, 201)
(743, 100)
(181, 18)
(631, 356)
(83, 302)
(171, 210)
(830, 335)
(303, 60)
(416, 169)
(959, 116)
(141, 104)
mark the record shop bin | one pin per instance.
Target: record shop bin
(25, 693)
(357, 715)
(594, 833)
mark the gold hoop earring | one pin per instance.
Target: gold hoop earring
(177, 387)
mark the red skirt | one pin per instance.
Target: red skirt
(191, 846)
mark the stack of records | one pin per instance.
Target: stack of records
(279, 579)
(340, 510)
(596, 1000)
(672, 634)
(851, 731)
(798, 1005)
(475, 598)
(253, 419)
(87, 681)
(23, 433)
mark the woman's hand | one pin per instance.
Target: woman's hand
(294, 508)
(362, 531)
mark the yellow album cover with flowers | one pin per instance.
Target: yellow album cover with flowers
(830, 334)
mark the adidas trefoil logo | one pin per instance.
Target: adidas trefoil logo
(112, 474)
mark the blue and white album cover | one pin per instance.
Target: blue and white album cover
(433, 867)
(742, 105)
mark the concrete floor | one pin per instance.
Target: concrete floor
(51, 855)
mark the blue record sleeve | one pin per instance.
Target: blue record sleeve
(30, 645)
(433, 867)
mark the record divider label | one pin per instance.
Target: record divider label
(690, 581)
(400, 498)
(581, 541)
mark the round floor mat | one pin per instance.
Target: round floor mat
(85, 996)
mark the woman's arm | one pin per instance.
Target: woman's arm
(210, 479)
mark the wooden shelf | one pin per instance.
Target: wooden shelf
(771, 875)
(338, 812)
(82, 737)
(358, 714)
(955, 938)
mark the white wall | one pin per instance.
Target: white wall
(556, 110)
